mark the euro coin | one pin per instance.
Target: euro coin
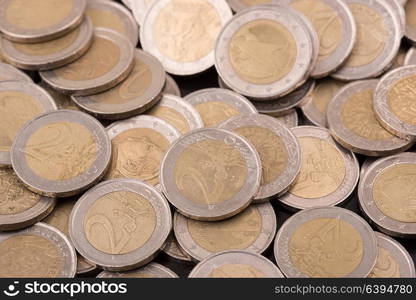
(152, 270)
(10, 73)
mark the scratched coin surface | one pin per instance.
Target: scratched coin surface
(393, 261)
(264, 54)
(139, 145)
(107, 62)
(8, 72)
(20, 102)
(174, 250)
(19, 207)
(59, 218)
(114, 16)
(394, 103)
(328, 242)
(37, 251)
(328, 174)
(177, 112)
(152, 270)
(410, 9)
(378, 40)
(182, 33)
(120, 224)
(353, 123)
(138, 92)
(386, 194)
(251, 230)
(171, 87)
(31, 21)
(236, 264)
(218, 105)
(61, 153)
(51, 54)
(210, 174)
(278, 148)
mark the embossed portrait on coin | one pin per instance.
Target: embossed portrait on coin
(326, 248)
(386, 266)
(120, 222)
(186, 30)
(171, 116)
(401, 99)
(262, 51)
(29, 256)
(210, 172)
(60, 151)
(216, 112)
(236, 271)
(137, 154)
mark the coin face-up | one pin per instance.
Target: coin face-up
(37, 251)
(50, 54)
(8, 72)
(326, 242)
(107, 62)
(236, 264)
(182, 33)
(152, 270)
(328, 174)
(111, 15)
(135, 94)
(386, 194)
(353, 123)
(378, 40)
(210, 174)
(218, 105)
(251, 230)
(139, 145)
(410, 9)
(278, 148)
(61, 153)
(120, 224)
(177, 112)
(171, 87)
(31, 21)
(20, 102)
(393, 261)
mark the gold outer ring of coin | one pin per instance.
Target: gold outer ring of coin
(152, 270)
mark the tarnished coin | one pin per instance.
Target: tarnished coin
(218, 105)
(290, 120)
(139, 8)
(111, 15)
(174, 250)
(108, 61)
(152, 270)
(386, 194)
(329, 242)
(211, 174)
(37, 251)
(236, 264)
(8, 72)
(410, 9)
(177, 112)
(120, 224)
(59, 218)
(378, 40)
(329, 172)
(410, 58)
(315, 107)
(251, 230)
(353, 123)
(138, 92)
(19, 207)
(394, 102)
(182, 33)
(171, 87)
(278, 148)
(139, 145)
(63, 101)
(61, 153)
(20, 102)
(51, 54)
(32, 21)
(264, 53)
(393, 261)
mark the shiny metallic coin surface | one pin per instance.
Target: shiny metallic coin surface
(410, 9)
(410, 58)
(171, 87)
(329, 172)
(152, 270)
(238, 5)
(21, 102)
(61, 153)
(251, 230)
(8, 72)
(108, 61)
(49, 251)
(399, 13)
(290, 119)
(351, 252)
(139, 8)
(174, 250)
(63, 101)
(98, 235)
(211, 174)
(236, 264)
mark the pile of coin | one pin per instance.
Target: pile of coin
(106, 170)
